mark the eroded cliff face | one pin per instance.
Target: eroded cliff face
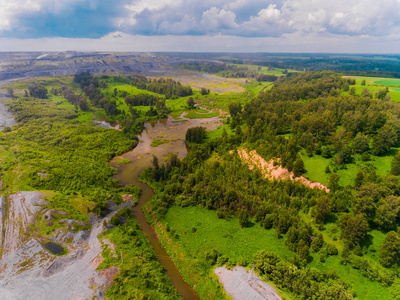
(29, 271)
(36, 64)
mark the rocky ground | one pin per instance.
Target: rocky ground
(240, 284)
(29, 271)
(36, 64)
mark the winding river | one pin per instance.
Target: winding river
(141, 158)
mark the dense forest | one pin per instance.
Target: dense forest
(318, 113)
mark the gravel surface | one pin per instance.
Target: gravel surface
(241, 284)
(29, 271)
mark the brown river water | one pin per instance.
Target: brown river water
(141, 158)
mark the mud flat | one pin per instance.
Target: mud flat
(242, 284)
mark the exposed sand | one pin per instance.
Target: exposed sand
(242, 284)
(271, 172)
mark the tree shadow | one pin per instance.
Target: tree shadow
(331, 218)
(250, 224)
(367, 242)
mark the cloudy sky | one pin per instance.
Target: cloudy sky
(346, 26)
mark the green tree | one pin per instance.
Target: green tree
(363, 82)
(358, 181)
(360, 143)
(317, 242)
(235, 109)
(204, 91)
(387, 212)
(322, 208)
(366, 93)
(354, 228)
(389, 251)
(384, 140)
(298, 167)
(243, 217)
(190, 102)
(395, 169)
(333, 181)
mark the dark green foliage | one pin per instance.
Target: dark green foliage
(243, 217)
(204, 91)
(331, 250)
(142, 99)
(37, 91)
(75, 156)
(115, 220)
(167, 86)
(389, 251)
(334, 181)
(354, 228)
(85, 79)
(140, 274)
(387, 212)
(75, 99)
(317, 243)
(384, 140)
(302, 281)
(395, 169)
(298, 167)
(322, 208)
(235, 109)
(195, 134)
(190, 102)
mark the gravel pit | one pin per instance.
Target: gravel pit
(54, 248)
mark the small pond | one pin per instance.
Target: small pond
(54, 248)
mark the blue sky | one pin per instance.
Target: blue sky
(363, 26)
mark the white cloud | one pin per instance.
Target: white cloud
(293, 42)
(215, 19)
(302, 21)
(10, 8)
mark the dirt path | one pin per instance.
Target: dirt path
(271, 172)
(265, 87)
(242, 284)
(29, 271)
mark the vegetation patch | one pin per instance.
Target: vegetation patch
(158, 142)
(123, 161)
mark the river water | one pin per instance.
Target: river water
(141, 158)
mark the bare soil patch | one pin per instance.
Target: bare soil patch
(271, 171)
(240, 284)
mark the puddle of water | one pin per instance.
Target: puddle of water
(54, 248)
(107, 124)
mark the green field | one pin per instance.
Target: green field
(375, 84)
(316, 165)
(197, 230)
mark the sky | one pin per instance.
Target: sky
(334, 26)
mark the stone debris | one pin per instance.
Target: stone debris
(29, 271)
